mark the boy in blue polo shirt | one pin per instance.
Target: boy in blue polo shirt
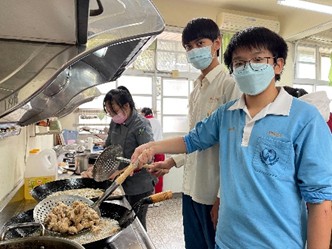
(275, 154)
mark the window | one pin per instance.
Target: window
(91, 114)
(175, 105)
(172, 56)
(160, 78)
(313, 63)
(325, 63)
(306, 63)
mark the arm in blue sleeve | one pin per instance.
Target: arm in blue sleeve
(204, 135)
(314, 158)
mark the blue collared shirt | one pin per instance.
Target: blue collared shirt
(270, 166)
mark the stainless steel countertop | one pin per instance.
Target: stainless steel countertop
(132, 237)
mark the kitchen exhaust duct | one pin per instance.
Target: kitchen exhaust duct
(55, 53)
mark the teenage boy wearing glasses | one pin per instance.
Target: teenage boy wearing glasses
(275, 154)
(214, 87)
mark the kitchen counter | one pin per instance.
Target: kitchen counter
(132, 237)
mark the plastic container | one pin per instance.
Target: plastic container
(41, 167)
(90, 144)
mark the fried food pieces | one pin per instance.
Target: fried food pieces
(72, 219)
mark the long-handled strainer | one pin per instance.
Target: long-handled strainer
(106, 163)
(45, 207)
(117, 182)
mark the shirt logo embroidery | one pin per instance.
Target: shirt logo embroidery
(274, 134)
(269, 157)
(141, 131)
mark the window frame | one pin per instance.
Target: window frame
(158, 78)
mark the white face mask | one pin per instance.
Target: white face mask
(200, 58)
(253, 82)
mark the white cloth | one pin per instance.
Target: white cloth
(201, 169)
(321, 101)
(156, 129)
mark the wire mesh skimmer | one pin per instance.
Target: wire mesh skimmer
(106, 163)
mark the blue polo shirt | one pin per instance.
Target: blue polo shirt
(270, 166)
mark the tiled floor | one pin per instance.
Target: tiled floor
(164, 224)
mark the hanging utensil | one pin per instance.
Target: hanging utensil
(128, 217)
(106, 163)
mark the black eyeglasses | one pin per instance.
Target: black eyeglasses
(255, 63)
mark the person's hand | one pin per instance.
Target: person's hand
(116, 174)
(144, 154)
(162, 167)
(214, 213)
(100, 143)
(87, 173)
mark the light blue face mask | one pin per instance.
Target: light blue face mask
(200, 58)
(254, 82)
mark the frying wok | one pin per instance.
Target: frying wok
(108, 210)
(41, 192)
(35, 242)
(40, 242)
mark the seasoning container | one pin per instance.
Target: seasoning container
(41, 167)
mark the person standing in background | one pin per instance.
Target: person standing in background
(319, 99)
(155, 124)
(201, 39)
(129, 129)
(157, 135)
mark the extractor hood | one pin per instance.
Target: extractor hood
(55, 52)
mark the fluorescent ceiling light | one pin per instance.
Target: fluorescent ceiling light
(307, 5)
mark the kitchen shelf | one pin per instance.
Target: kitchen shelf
(47, 133)
(8, 130)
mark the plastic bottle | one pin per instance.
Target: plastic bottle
(41, 167)
(90, 144)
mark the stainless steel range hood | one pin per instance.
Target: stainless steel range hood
(55, 52)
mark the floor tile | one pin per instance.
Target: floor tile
(164, 224)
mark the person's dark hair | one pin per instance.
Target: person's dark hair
(256, 37)
(199, 28)
(123, 88)
(295, 92)
(146, 111)
(120, 96)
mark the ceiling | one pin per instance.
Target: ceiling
(269, 7)
(314, 25)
